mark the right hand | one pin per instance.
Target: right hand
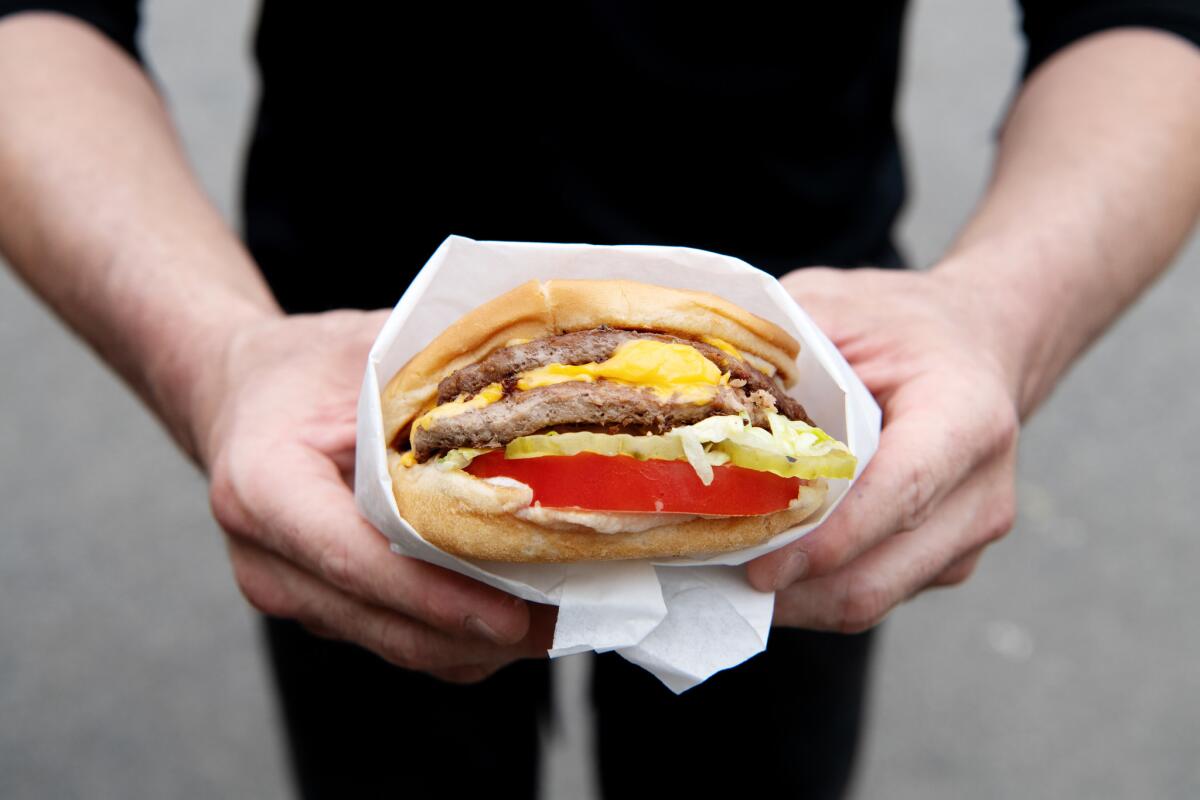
(275, 427)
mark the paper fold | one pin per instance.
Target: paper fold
(681, 619)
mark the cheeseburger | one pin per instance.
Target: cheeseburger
(572, 420)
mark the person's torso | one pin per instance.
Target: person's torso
(764, 134)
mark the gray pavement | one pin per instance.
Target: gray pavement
(129, 667)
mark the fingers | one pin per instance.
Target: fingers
(923, 454)
(278, 588)
(282, 456)
(822, 293)
(292, 501)
(860, 594)
(959, 571)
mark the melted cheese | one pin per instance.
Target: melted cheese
(669, 369)
(721, 344)
(485, 396)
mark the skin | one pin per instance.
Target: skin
(1097, 182)
(100, 214)
(1095, 187)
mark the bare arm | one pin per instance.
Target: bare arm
(1096, 185)
(100, 214)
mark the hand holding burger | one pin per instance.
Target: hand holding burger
(277, 430)
(939, 354)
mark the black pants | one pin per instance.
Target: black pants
(786, 723)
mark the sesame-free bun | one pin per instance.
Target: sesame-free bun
(548, 308)
(473, 518)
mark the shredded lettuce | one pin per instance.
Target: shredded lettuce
(791, 449)
(458, 458)
(693, 449)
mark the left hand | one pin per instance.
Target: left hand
(934, 353)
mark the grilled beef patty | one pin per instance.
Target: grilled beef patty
(598, 344)
(616, 407)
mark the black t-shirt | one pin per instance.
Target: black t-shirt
(767, 136)
(763, 132)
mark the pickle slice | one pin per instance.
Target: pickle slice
(790, 449)
(834, 464)
(668, 448)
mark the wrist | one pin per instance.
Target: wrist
(1020, 311)
(187, 377)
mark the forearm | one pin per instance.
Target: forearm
(101, 215)
(1095, 187)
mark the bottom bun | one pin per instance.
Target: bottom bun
(472, 518)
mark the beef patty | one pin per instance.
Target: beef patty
(603, 405)
(598, 344)
(617, 407)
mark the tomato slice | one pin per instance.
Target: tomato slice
(623, 483)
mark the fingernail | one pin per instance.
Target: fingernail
(792, 569)
(480, 628)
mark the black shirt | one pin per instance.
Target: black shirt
(766, 133)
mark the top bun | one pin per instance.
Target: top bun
(548, 308)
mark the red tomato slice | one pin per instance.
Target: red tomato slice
(623, 483)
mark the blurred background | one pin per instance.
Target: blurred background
(130, 666)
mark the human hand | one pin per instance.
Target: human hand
(941, 487)
(275, 426)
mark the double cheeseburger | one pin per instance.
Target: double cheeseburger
(587, 420)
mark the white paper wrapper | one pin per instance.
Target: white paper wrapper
(681, 619)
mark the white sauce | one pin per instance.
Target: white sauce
(570, 519)
(512, 483)
(566, 519)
